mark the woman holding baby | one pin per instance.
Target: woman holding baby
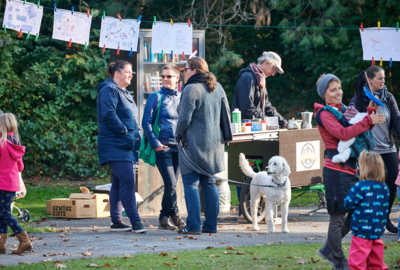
(338, 177)
(383, 133)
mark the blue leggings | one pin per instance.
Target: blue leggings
(6, 219)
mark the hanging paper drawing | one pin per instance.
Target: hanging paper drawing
(383, 43)
(74, 28)
(177, 38)
(25, 18)
(123, 34)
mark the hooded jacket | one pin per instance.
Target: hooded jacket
(248, 99)
(11, 165)
(168, 117)
(119, 138)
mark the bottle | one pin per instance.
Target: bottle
(237, 119)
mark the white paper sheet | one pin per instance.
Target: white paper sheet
(72, 27)
(124, 34)
(384, 43)
(27, 18)
(177, 38)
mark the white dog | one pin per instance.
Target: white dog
(344, 146)
(277, 192)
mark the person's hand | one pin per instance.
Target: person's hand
(160, 148)
(373, 105)
(377, 118)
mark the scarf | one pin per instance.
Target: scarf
(383, 94)
(197, 78)
(260, 77)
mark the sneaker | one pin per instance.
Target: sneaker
(185, 231)
(206, 231)
(178, 221)
(391, 228)
(165, 224)
(120, 227)
(326, 254)
(138, 227)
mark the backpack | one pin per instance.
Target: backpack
(364, 141)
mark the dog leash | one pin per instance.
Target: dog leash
(183, 144)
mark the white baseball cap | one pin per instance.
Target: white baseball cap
(275, 59)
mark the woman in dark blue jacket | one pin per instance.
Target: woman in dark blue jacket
(118, 143)
(165, 145)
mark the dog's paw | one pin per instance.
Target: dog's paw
(271, 229)
(285, 230)
(256, 228)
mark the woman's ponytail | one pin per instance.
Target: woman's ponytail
(211, 81)
(359, 92)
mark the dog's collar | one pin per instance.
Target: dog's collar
(279, 185)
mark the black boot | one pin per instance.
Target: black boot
(391, 228)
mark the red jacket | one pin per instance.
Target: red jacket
(10, 165)
(333, 131)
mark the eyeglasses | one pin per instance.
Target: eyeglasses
(167, 76)
(187, 69)
(274, 70)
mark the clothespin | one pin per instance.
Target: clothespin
(362, 27)
(104, 15)
(162, 54)
(390, 65)
(380, 64)
(20, 33)
(189, 22)
(55, 9)
(154, 20)
(119, 17)
(373, 61)
(397, 27)
(87, 11)
(38, 4)
(5, 31)
(69, 44)
(104, 48)
(172, 55)
(72, 10)
(24, 2)
(37, 35)
(138, 20)
(118, 51)
(27, 36)
(131, 52)
(183, 53)
(379, 26)
(172, 22)
(85, 48)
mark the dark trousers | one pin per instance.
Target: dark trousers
(122, 191)
(168, 166)
(339, 227)
(391, 161)
(6, 218)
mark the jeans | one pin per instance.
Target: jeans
(192, 198)
(168, 166)
(339, 226)
(6, 219)
(122, 191)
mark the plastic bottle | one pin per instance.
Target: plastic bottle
(237, 119)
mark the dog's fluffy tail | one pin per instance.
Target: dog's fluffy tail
(244, 165)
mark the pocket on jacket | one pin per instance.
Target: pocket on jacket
(126, 141)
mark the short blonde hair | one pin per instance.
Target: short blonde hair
(371, 166)
(8, 123)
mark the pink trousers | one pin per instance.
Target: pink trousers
(366, 254)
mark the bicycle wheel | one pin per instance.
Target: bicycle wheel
(24, 216)
(245, 203)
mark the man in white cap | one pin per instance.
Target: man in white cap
(251, 96)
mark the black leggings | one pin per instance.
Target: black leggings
(391, 161)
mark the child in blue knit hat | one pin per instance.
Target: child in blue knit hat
(369, 199)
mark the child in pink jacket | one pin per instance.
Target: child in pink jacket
(11, 165)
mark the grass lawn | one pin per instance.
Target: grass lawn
(276, 256)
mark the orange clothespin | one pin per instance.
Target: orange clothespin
(87, 11)
(20, 33)
(118, 51)
(380, 64)
(182, 55)
(189, 22)
(69, 44)
(373, 61)
(119, 17)
(104, 48)
(362, 27)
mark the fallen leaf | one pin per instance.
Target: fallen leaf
(97, 236)
(93, 265)
(106, 265)
(102, 257)
(167, 264)
(311, 238)
(238, 235)
(314, 261)
(175, 257)
(65, 240)
(59, 265)
(259, 244)
(163, 254)
(209, 247)
(220, 226)
(293, 219)
(211, 256)
(47, 260)
(240, 253)
(257, 258)
(164, 239)
(151, 226)
(302, 261)
(88, 253)
(230, 248)
(200, 261)
(178, 238)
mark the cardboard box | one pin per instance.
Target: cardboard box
(80, 205)
(48, 207)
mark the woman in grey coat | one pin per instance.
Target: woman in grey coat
(199, 125)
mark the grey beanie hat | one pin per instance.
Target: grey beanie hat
(323, 84)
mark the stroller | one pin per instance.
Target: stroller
(23, 214)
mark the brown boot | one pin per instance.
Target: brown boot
(24, 243)
(178, 221)
(3, 240)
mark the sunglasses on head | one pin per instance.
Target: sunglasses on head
(167, 76)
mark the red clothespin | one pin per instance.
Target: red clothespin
(362, 27)
(20, 33)
(70, 41)
(119, 17)
(87, 11)
(183, 53)
(118, 51)
(189, 22)
(104, 48)
(373, 61)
